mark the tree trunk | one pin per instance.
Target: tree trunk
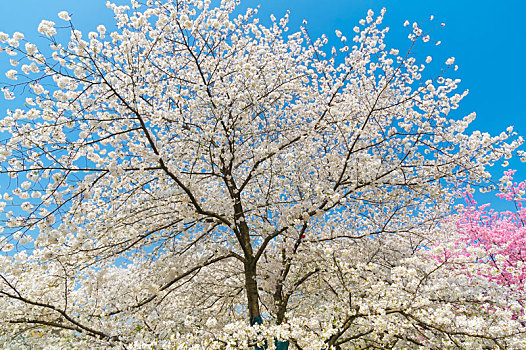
(251, 286)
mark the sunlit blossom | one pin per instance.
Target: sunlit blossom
(64, 15)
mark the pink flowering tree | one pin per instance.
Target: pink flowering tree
(486, 248)
(501, 234)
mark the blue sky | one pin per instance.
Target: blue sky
(486, 37)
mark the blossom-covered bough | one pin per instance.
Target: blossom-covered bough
(194, 179)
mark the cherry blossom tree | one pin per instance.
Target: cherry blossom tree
(195, 179)
(496, 240)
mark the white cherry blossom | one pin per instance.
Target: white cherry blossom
(47, 28)
(11, 74)
(64, 15)
(193, 173)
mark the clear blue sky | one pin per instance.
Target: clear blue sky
(487, 38)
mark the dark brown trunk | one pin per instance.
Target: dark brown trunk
(243, 236)
(251, 287)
